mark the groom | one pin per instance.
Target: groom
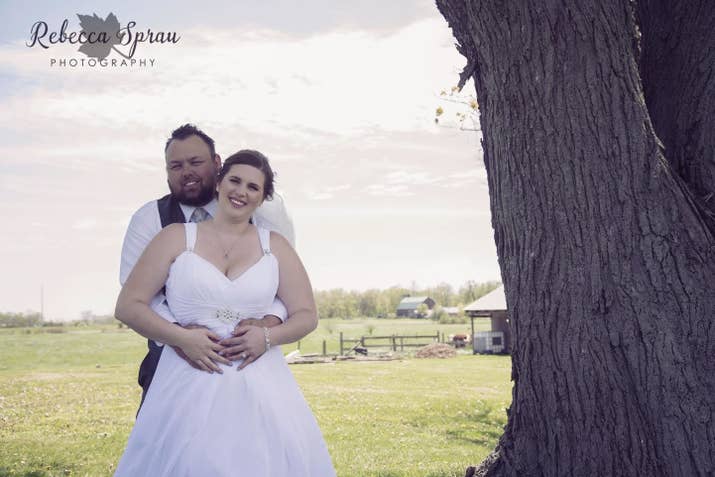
(192, 167)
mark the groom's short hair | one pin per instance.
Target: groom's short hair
(182, 132)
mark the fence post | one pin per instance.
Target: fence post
(341, 343)
(324, 353)
(394, 343)
(402, 343)
(472, 318)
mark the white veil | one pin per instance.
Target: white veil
(273, 215)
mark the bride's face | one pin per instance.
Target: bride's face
(241, 189)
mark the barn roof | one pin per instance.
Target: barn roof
(492, 301)
(411, 302)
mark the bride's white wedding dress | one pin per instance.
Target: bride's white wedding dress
(254, 422)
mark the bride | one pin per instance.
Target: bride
(254, 420)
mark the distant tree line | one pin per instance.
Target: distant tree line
(12, 320)
(33, 318)
(335, 303)
(340, 303)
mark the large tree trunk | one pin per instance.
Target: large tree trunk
(677, 72)
(604, 243)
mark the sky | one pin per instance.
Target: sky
(340, 95)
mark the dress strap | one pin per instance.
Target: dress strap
(190, 228)
(264, 235)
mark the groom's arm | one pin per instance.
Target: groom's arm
(277, 310)
(143, 227)
(275, 315)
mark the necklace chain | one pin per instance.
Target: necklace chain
(226, 251)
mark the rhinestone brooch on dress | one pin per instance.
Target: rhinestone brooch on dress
(227, 315)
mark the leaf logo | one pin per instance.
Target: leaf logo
(99, 37)
(107, 29)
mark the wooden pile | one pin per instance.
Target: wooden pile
(294, 358)
(436, 350)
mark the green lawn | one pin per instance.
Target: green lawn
(67, 403)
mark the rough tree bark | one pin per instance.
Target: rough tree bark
(599, 149)
(678, 82)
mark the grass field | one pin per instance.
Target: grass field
(68, 399)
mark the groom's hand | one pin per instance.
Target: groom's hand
(181, 353)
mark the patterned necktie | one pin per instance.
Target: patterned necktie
(199, 215)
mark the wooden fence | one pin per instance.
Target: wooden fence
(392, 342)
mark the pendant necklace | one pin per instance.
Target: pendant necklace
(226, 251)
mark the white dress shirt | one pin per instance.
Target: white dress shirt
(146, 223)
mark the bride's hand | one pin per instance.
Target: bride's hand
(247, 343)
(201, 347)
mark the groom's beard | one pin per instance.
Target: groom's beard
(203, 196)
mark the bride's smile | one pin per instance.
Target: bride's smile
(241, 190)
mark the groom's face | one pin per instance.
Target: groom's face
(191, 171)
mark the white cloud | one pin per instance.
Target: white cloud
(321, 196)
(85, 224)
(413, 178)
(469, 174)
(336, 82)
(338, 188)
(468, 177)
(383, 190)
(325, 193)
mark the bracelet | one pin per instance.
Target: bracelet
(267, 336)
